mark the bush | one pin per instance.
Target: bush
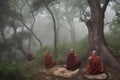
(113, 43)
(10, 72)
(82, 46)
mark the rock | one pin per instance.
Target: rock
(98, 76)
(59, 70)
(63, 72)
(48, 78)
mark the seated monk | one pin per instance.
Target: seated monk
(48, 60)
(30, 57)
(95, 65)
(72, 61)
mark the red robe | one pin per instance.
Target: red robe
(48, 61)
(72, 62)
(95, 66)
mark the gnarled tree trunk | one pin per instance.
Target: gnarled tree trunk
(96, 38)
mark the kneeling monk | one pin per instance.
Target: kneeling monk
(48, 60)
(95, 65)
(72, 61)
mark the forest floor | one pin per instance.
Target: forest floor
(39, 74)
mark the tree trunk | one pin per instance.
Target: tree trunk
(31, 28)
(72, 29)
(96, 38)
(29, 44)
(54, 27)
(40, 42)
(20, 46)
(73, 35)
(0, 56)
(25, 25)
(71, 23)
(2, 34)
(58, 26)
(58, 34)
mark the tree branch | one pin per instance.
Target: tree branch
(117, 2)
(32, 25)
(89, 1)
(82, 20)
(66, 28)
(105, 5)
(32, 33)
(34, 19)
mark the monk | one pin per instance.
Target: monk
(72, 61)
(48, 60)
(95, 65)
(30, 56)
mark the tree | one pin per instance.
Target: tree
(114, 26)
(23, 20)
(32, 25)
(4, 9)
(37, 4)
(11, 13)
(66, 14)
(113, 37)
(117, 1)
(5, 15)
(57, 15)
(96, 38)
(70, 15)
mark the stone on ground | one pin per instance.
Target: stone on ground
(63, 72)
(98, 76)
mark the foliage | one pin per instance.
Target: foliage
(82, 46)
(113, 37)
(12, 13)
(10, 72)
(40, 3)
(115, 25)
(113, 43)
(15, 71)
(5, 46)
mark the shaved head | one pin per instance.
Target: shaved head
(93, 52)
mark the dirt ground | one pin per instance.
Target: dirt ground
(111, 75)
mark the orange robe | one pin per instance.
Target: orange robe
(95, 66)
(72, 62)
(48, 61)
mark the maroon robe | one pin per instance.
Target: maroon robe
(30, 57)
(72, 62)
